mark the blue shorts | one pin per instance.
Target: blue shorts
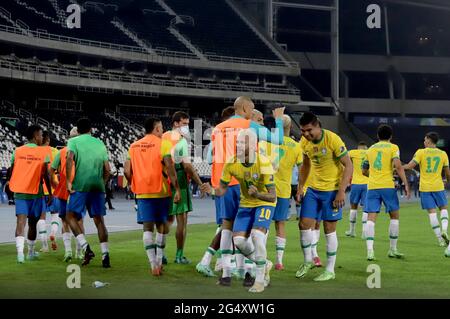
(358, 194)
(218, 203)
(430, 200)
(60, 206)
(318, 205)
(48, 208)
(153, 210)
(387, 196)
(281, 210)
(30, 207)
(230, 202)
(256, 217)
(94, 202)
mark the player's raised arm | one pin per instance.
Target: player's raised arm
(401, 173)
(264, 134)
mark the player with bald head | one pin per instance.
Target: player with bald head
(283, 157)
(223, 141)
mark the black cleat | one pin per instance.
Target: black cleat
(248, 280)
(105, 261)
(164, 260)
(88, 255)
(224, 281)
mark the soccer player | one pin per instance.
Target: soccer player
(89, 157)
(358, 189)
(203, 267)
(41, 225)
(432, 161)
(326, 161)
(258, 199)
(283, 158)
(61, 196)
(379, 165)
(148, 164)
(179, 136)
(29, 168)
(223, 148)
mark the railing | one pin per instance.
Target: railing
(159, 52)
(8, 105)
(25, 114)
(75, 72)
(43, 122)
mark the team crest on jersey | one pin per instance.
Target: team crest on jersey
(316, 149)
(247, 175)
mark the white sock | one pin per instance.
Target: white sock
(239, 260)
(364, 222)
(150, 248)
(226, 246)
(393, 233)
(249, 265)
(315, 242)
(160, 245)
(104, 248)
(266, 237)
(42, 232)
(444, 220)
(67, 239)
(280, 246)
(259, 239)
(370, 234)
(54, 225)
(20, 245)
(305, 242)
(246, 246)
(207, 256)
(352, 218)
(82, 241)
(31, 244)
(434, 222)
(79, 248)
(332, 246)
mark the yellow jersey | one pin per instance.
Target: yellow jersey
(358, 157)
(380, 158)
(260, 174)
(431, 162)
(166, 148)
(283, 157)
(326, 169)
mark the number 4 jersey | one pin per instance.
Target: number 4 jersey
(431, 161)
(380, 157)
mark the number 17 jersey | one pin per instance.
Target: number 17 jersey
(380, 158)
(431, 162)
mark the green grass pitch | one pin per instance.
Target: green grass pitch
(424, 273)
